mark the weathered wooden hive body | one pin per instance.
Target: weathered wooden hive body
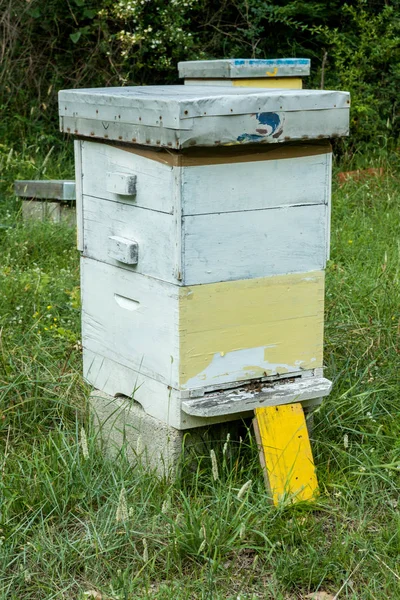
(203, 221)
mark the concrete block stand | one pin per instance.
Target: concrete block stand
(43, 210)
(123, 425)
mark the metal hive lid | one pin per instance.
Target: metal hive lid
(244, 67)
(176, 103)
(159, 115)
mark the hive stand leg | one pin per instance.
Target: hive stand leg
(285, 453)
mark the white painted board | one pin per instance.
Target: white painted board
(154, 180)
(78, 191)
(131, 319)
(208, 188)
(254, 185)
(154, 232)
(258, 243)
(205, 246)
(329, 203)
(215, 247)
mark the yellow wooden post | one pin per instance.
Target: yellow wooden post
(285, 453)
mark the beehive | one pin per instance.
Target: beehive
(52, 199)
(283, 73)
(203, 221)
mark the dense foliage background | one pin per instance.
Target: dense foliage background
(47, 46)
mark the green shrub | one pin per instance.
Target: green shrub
(365, 60)
(353, 46)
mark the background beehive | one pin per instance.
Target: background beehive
(283, 73)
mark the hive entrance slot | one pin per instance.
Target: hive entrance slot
(255, 385)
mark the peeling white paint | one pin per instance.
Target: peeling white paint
(239, 365)
(240, 400)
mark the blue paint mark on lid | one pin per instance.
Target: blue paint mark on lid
(269, 118)
(268, 62)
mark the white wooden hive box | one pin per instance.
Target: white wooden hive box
(199, 219)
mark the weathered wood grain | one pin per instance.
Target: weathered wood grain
(252, 397)
(241, 330)
(154, 181)
(255, 185)
(154, 232)
(266, 380)
(51, 189)
(259, 243)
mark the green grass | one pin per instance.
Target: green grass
(193, 538)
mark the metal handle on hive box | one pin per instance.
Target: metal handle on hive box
(122, 184)
(123, 250)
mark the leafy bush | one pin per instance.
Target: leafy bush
(353, 46)
(40, 54)
(365, 60)
(151, 37)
